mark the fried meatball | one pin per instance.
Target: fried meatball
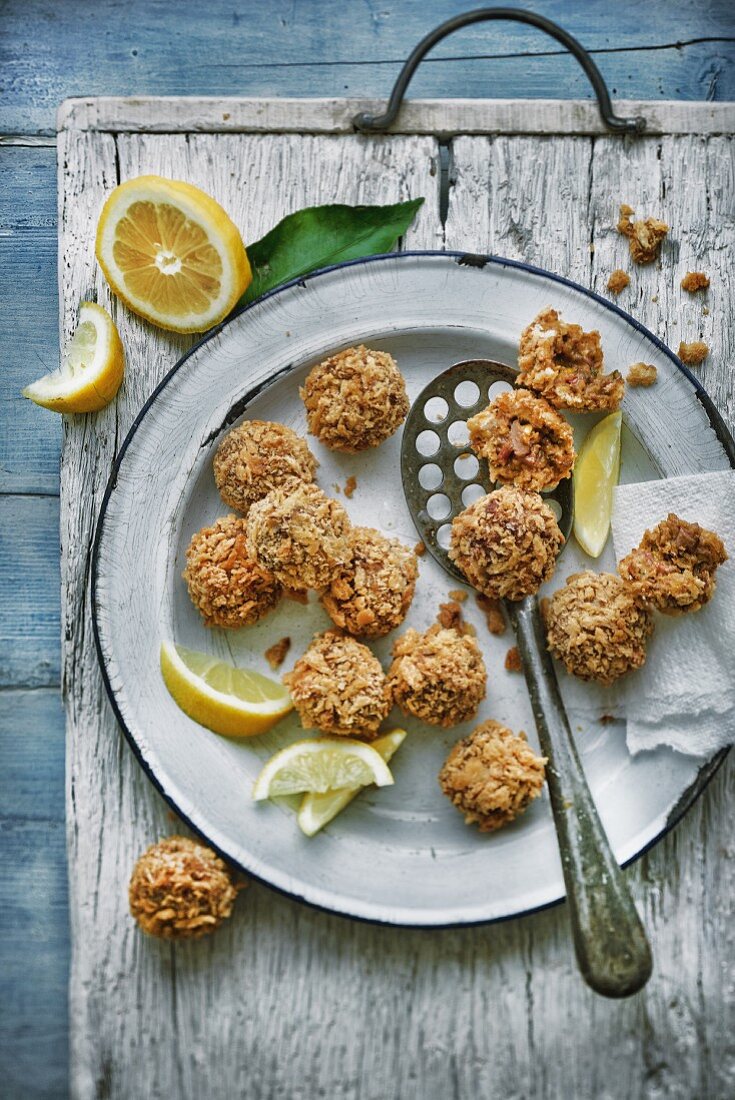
(438, 676)
(525, 440)
(258, 456)
(372, 593)
(506, 543)
(595, 627)
(338, 686)
(492, 776)
(355, 399)
(180, 890)
(225, 583)
(563, 363)
(673, 568)
(301, 536)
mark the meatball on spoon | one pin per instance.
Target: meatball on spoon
(440, 478)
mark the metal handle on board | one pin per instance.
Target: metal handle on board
(374, 124)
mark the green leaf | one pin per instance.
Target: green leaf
(323, 235)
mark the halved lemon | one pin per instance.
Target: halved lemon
(234, 701)
(596, 473)
(91, 370)
(171, 253)
(318, 809)
(323, 764)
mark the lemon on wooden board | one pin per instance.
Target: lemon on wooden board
(91, 370)
(322, 764)
(171, 253)
(317, 810)
(596, 473)
(233, 701)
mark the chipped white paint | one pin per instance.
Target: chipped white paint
(285, 1001)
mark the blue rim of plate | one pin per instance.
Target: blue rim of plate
(477, 261)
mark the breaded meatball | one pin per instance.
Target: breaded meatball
(258, 456)
(301, 536)
(595, 627)
(492, 776)
(225, 583)
(506, 543)
(180, 890)
(372, 593)
(438, 676)
(673, 568)
(338, 686)
(355, 399)
(525, 440)
(563, 363)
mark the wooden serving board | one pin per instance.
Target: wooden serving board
(286, 1002)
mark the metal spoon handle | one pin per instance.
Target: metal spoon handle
(609, 938)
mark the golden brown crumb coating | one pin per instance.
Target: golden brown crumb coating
(693, 354)
(563, 363)
(438, 676)
(256, 457)
(694, 281)
(372, 593)
(673, 568)
(641, 374)
(645, 237)
(225, 583)
(355, 399)
(180, 890)
(301, 536)
(596, 628)
(618, 281)
(506, 543)
(338, 686)
(492, 776)
(525, 440)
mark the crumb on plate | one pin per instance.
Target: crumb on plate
(458, 594)
(350, 486)
(493, 611)
(276, 654)
(492, 776)
(513, 662)
(641, 374)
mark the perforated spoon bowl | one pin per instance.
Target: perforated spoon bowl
(440, 478)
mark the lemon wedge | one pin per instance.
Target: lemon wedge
(319, 765)
(596, 474)
(234, 701)
(171, 253)
(318, 809)
(91, 370)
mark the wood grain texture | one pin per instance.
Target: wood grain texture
(277, 47)
(287, 1002)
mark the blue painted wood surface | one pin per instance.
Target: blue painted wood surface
(50, 50)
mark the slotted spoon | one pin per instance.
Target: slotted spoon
(440, 478)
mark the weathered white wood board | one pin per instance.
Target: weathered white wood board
(286, 1002)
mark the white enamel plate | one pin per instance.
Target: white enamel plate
(401, 854)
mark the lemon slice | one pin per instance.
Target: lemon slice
(233, 701)
(596, 474)
(323, 764)
(318, 809)
(91, 370)
(171, 253)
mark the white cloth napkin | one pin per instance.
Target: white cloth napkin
(684, 696)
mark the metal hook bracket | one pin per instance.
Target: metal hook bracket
(374, 124)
